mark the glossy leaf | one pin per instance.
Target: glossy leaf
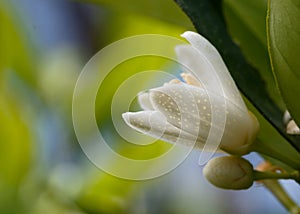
(246, 23)
(284, 48)
(209, 21)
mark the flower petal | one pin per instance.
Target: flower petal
(192, 62)
(292, 128)
(203, 59)
(189, 108)
(154, 123)
(144, 101)
(185, 106)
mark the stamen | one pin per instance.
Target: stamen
(190, 79)
(173, 81)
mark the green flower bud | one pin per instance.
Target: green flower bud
(229, 172)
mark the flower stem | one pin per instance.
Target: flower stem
(265, 149)
(277, 190)
(295, 175)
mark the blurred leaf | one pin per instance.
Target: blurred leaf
(122, 73)
(15, 150)
(52, 202)
(133, 25)
(208, 19)
(284, 47)
(14, 52)
(163, 10)
(122, 24)
(15, 143)
(58, 71)
(105, 194)
(15, 137)
(246, 23)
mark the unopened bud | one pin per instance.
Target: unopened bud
(229, 172)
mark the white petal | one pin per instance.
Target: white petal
(206, 64)
(185, 106)
(154, 123)
(144, 101)
(189, 108)
(292, 128)
(195, 64)
(287, 117)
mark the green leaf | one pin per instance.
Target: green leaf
(131, 25)
(246, 23)
(165, 10)
(269, 135)
(105, 194)
(15, 150)
(284, 48)
(252, 14)
(15, 52)
(209, 21)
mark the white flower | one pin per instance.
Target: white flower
(291, 127)
(207, 105)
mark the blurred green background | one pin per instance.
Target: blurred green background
(43, 47)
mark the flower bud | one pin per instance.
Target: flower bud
(229, 172)
(205, 110)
